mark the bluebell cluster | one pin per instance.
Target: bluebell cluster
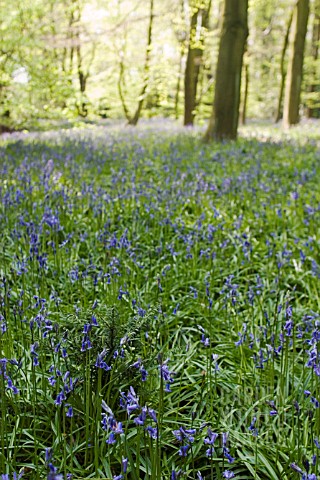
(159, 307)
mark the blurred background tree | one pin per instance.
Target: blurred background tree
(63, 60)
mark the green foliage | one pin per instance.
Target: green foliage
(45, 47)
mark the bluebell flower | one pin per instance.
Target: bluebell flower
(274, 410)
(124, 464)
(176, 309)
(12, 387)
(137, 364)
(205, 340)
(211, 437)
(153, 432)
(242, 336)
(60, 398)
(111, 439)
(54, 476)
(210, 440)
(100, 363)
(184, 434)
(165, 373)
(3, 366)
(194, 292)
(252, 427)
(130, 401)
(214, 358)
(15, 475)
(183, 450)
(69, 412)
(48, 454)
(152, 415)
(175, 475)
(288, 327)
(296, 406)
(53, 473)
(86, 344)
(226, 452)
(34, 354)
(124, 340)
(228, 474)
(95, 304)
(144, 374)
(142, 417)
(3, 326)
(296, 468)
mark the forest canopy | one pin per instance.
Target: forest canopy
(111, 59)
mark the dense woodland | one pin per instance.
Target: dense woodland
(227, 61)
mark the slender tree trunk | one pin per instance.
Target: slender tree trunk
(199, 24)
(182, 37)
(225, 114)
(315, 55)
(82, 78)
(243, 116)
(135, 118)
(295, 67)
(82, 64)
(191, 74)
(120, 90)
(283, 69)
(177, 95)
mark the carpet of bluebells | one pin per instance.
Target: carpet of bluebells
(159, 307)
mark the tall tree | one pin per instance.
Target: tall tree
(200, 11)
(133, 119)
(243, 113)
(314, 102)
(225, 114)
(295, 67)
(283, 69)
(181, 24)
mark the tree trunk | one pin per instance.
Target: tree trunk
(82, 78)
(225, 114)
(315, 55)
(177, 95)
(243, 117)
(135, 118)
(199, 24)
(121, 93)
(283, 69)
(295, 67)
